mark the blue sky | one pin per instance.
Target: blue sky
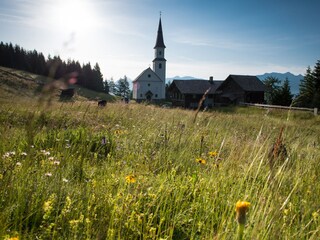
(203, 37)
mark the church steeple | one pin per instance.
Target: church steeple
(159, 42)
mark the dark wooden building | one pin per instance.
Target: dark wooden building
(240, 88)
(233, 90)
(188, 93)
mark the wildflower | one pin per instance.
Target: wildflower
(23, 154)
(18, 164)
(65, 180)
(68, 145)
(118, 132)
(13, 238)
(130, 179)
(56, 163)
(50, 158)
(46, 153)
(315, 216)
(48, 174)
(201, 161)
(213, 153)
(241, 208)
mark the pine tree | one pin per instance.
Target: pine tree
(112, 86)
(284, 94)
(307, 89)
(122, 87)
(272, 84)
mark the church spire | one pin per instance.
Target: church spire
(159, 42)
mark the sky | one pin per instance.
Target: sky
(203, 38)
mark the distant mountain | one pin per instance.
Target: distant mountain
(180, 78)
(294, 80)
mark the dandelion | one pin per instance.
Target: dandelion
(130, 179)
(241, 209)
(118, 132)
(213, 153)
(201, 161)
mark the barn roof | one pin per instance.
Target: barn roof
(248, 83)
(196, 86)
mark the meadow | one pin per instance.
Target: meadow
(72, 170)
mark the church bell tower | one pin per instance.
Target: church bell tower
(159, 62)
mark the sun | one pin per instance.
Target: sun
(75, 15)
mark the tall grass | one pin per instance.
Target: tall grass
(64, 169)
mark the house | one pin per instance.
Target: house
(233, 90)
(240, 88)
(188, 93)
(150, 84)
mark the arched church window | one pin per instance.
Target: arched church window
(160, 53)
(160, 65)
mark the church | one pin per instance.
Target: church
(151, 83)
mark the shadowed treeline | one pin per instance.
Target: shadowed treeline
(35, 62)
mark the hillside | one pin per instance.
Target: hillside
(27, 85)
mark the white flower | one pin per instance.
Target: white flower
(48, 174)
(23, 154)
(18, 164)
(68, 145)
(56, 163)
(65, 180)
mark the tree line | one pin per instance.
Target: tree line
(34, 62)
(279, 93)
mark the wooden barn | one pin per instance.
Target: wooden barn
(188, 93)
(240, 88)
(233, 90)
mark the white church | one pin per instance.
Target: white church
(151, 83)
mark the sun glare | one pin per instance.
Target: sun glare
(75, 15)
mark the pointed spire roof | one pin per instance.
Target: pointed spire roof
(159, 42)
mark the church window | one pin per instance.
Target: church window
(160, 65)
(141, 95)
(160, 53)
(156, 95)
(148, 84)
(149, 75)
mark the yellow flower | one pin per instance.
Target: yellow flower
(241, 208)
(130, 179)
(13, 238)
(118, 132)
(213, 153)
(201, 161)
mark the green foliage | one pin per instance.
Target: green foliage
(122, 87)
(309, 95)
(64, 172)
(278, 94)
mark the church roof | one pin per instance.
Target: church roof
(153, 76)
(159, 42)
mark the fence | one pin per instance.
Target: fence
(314, 110)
